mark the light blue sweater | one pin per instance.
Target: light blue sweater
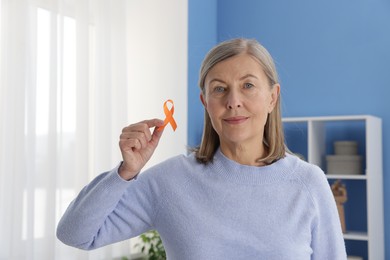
(222, 210)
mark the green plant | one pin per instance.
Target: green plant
(152, 245)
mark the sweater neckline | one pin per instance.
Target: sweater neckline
(239, 173)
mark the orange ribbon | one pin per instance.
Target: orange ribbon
(169, 116)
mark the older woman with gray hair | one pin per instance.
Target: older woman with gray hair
(239, 195)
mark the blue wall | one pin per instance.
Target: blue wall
(202, 35)
(333, 57)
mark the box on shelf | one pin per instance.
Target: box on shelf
(345, 148)
(345, 160)
(344, 164)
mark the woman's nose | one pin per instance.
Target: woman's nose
(233, 100)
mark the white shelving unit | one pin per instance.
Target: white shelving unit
(316, 132)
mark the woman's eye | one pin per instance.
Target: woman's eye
(219, 89)
(248, 85)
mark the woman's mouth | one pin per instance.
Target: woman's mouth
(236, 120)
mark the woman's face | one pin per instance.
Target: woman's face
(238, 98)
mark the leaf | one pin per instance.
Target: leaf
(152, 244)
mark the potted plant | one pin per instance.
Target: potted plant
(152, 245)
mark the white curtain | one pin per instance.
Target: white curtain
(73, 73)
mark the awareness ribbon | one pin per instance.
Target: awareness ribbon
(169, 116)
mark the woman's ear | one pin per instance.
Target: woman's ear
(275, 92)
(203, 100)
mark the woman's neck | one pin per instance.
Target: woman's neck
(244, 154)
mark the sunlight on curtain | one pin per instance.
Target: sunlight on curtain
(73, 73)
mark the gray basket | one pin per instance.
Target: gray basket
(345, 148)
(344, 164)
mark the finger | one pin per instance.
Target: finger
(130, 144)
(138, 131)
(154, 122)
(144, 126)
(136, 139)
(157, 133)
(136, 144)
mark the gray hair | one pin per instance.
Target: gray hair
(273, 131)
(233, 47)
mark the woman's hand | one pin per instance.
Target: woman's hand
(137, 145)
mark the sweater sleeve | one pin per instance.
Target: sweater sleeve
(327, 237)
(107, 210)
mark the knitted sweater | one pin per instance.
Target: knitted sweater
(222, 210)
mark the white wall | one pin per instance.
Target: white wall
(158, 68)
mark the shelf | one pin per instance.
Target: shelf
(327, 118)
(346, 176)
(352, 235)
(314, 137)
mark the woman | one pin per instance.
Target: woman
(238, 196)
